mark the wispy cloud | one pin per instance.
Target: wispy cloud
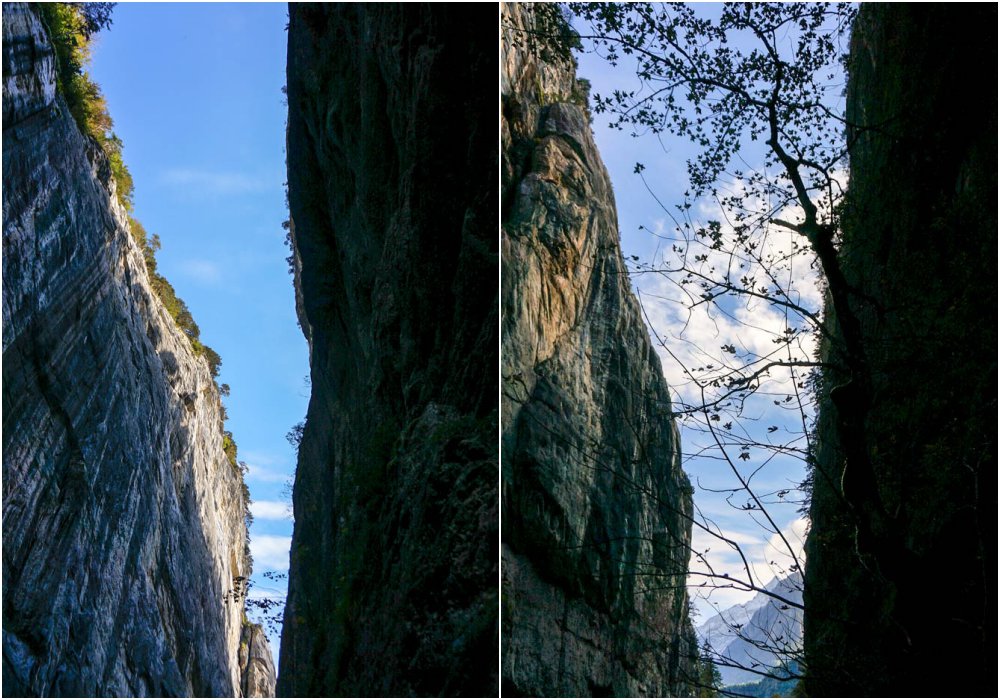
(766, 553)
(267, 475)
(696, 331)
(270, 551)
(271, 510)
(265, 467)
(204, 271)
(214, 182)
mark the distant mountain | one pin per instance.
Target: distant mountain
(752, 635)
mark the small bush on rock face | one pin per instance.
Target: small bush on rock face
(294, 436)
(229, 447)
(178, 310)
(581, 93)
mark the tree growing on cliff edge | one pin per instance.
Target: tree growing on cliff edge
(755, 89)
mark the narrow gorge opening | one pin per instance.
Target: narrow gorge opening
(711, 414)
(155, 374)
(632, 377)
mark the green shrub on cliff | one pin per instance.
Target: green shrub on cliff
(552, 37)
(175, 306)
(229, 447)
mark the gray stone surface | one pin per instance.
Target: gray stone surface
(596, 507)
(123, 524)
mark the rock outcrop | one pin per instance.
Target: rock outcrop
(392, 189)
(900, 597)
(595, 506)
(256, 664)
(123, 520)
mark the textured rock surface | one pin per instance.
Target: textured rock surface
(915, 613)
(596, 507)
(123, 521)
(256, 665)
(392, 188)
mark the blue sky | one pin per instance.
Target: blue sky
(195, 93)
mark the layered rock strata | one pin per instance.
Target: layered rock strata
(123, 520)
(392, 189)
(900, 596)
(596, 508)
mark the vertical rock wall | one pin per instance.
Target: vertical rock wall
(596, 508)
(123, 520)
(912, 611)
(392, 187)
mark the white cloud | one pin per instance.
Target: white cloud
(213, 182)
(204, 271)
(265, 467)
(693, 330)
(268, 475)
(271, 510)
(787, 550)
(766, 555)
(270, 551)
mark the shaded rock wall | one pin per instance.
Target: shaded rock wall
(123, 523)
(919, 247)
(392, 188)
(595, 504)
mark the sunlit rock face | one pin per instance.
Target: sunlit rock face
(123, 520)
(392, 187)
(919, 252)
(596, 506)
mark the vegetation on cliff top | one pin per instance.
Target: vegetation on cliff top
(178, 310)
(71, 28)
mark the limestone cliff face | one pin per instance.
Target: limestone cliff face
(392, 188)
(918, 591)
(123, 528)
(596, 506)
